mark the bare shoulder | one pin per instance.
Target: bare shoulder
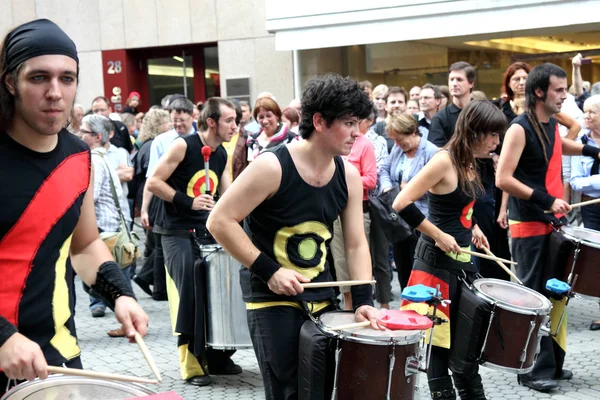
(442, 159)
(351, 171)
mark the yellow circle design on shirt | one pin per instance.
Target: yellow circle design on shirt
(306, 248)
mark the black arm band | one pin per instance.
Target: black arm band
(473, 220)
(590, 151)
(6, 330)
(362, 295)
(542, 199)
(412, 215)
(111, 284)
(182, 199)
(264, 267)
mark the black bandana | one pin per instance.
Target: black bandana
(37, 38)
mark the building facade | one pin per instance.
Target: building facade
(162, 47)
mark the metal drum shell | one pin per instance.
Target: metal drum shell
(57, 387)
(227, 320)
(587, 261)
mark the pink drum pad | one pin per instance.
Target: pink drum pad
(160, 396)
(406, 320)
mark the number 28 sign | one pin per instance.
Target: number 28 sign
(114, 67)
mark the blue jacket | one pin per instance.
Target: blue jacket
(389, 178)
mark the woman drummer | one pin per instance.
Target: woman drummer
(453, 184)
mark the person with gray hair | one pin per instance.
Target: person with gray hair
(95, 132)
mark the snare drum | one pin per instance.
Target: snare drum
(500, 325)
(583, 260)
(73, 387)
(371, 364)
(227, 322)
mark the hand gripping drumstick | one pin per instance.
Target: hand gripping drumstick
(582, 204)
(504, 267)
(206, 152)
(147, 356)
(333, 284)
(488, 257)
(98, 375)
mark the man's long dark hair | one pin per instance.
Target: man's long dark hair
(539, 78)
(334, 97)
(475, 121)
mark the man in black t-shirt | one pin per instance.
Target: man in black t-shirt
(180, 180)
(120, 137)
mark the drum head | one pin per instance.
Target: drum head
(332, 319)
(587, 236)
(511, 295)
(72, 387)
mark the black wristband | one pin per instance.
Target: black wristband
(6, 330)
(264, 267)
(542, 199)
(473, 220)
(590, 151)
(182, 199)
(111, 284)
(362, 295)
(412, 215)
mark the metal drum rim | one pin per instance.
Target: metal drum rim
(63, 380)
(569, 232)
(518, 371)
(373, 340)
(512, 307)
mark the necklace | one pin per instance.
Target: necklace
(205, 142)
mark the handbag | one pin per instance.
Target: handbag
(123, 244)
(394, 228)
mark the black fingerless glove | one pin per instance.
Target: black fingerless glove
(6, 330)
(362, 295)
(111, 284)
(542, 199)
(264, 267)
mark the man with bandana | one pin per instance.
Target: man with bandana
(47, 221)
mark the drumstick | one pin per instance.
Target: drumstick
(333, 284)
(351, 326)
(493, 258)
(504, 267)
(147, 356)
(98, 375)
(583, 203)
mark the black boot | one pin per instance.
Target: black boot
(442, 389)
(469, 388)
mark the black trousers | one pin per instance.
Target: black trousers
(380, 247)
(275, 333)
(6, 384)
(404, 256)
(153, 270)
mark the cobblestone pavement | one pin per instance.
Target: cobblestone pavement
(102, 353)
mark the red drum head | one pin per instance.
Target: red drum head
(407, 320)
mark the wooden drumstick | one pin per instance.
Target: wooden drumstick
(504, 267)
(98, 375)
(576, 205)
(333, 284)
(493, 258)
(147, 356)
(351, 326)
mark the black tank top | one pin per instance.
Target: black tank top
(452, 214)
(190, 178)
(294, 228)
(534, 171)
(40, 203)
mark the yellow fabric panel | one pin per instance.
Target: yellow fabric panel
(441, 333)
(314, 307)
(557, 308)
(173, 296)
(189, 365)
(463, 257)
(63, 341)
(230, 147)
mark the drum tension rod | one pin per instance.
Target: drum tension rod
(434, 302)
